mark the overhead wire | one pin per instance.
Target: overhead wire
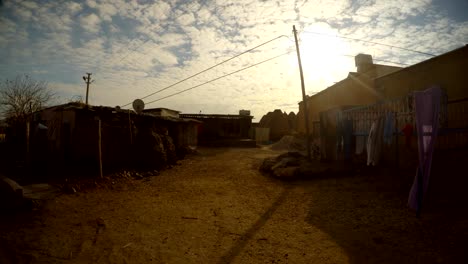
(209, 68)
(367, 41)
(215, 79)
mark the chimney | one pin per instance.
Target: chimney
(363, 62)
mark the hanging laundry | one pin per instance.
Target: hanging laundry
(389, 128)
(408, 132)
(369, 142)
(427, 106)
(374, 142)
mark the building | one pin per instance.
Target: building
(162, 112)
(223, 130)
(356, 89)
(447, 71)
(363, 99)
(69, 136)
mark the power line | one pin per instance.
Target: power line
(215, 79)
(209, 68)
(372, 42)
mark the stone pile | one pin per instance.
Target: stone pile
(294, 165)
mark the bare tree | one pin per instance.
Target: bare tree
(22, 96)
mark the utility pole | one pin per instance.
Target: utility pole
(304, 99)
(88, 82)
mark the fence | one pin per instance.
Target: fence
(453, 123)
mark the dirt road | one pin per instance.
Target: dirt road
(217, 208)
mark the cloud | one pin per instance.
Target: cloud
(160, 10)
(106, 11)
(91, 23)
(135, 48)
(186, 19)
(29, 5)
(91, 3)
(73, 7)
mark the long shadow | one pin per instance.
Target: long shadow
(229, 256)
(368, 217)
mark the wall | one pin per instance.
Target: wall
(447, 70)
(354, 90)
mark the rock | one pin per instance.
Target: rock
(267, 164)
(11, 193)
(286, 173)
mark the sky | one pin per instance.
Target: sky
(136, 47)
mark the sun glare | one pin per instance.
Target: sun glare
(322, 55)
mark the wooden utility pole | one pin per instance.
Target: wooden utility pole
(88, 82)
(304, 99)
(100, 147)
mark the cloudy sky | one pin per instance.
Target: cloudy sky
(136, 47)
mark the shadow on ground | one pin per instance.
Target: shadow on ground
(237, 248)
(368, 217)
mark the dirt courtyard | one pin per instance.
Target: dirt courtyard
(216, 207)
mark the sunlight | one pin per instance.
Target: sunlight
(322, 49)
(323, 57)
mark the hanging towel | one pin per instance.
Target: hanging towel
(389, 128)
(370, 146)
(427, 106)
(374, 142)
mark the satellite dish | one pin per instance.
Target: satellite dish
(138, 105)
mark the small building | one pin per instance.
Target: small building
(68, 136)
(162, 112)
(222, 130)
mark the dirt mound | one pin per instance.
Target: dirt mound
(289, 143)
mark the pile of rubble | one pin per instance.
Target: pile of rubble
(294, 165)
(290, 143)
(13, 195)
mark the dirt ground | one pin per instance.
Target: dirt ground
(216, 207)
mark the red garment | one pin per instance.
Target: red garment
(408, 131)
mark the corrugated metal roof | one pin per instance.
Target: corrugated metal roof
(207, 116)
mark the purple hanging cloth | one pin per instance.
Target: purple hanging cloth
(427, 106)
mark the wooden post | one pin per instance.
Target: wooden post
(100, 148)
(130, 128)
(397, 132)
(304, 98)
(28, 129)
